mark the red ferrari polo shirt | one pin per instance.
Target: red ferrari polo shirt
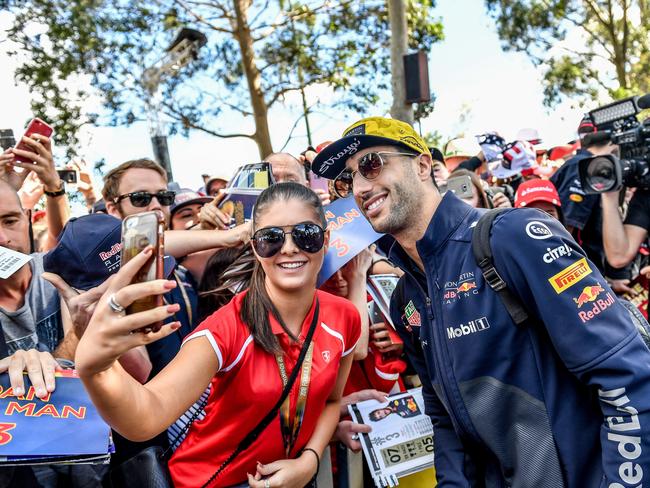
(248, 384)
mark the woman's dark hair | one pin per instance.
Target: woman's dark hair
(257, 304)
(220, 279)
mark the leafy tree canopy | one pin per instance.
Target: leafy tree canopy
(342, 44)
(614, 56)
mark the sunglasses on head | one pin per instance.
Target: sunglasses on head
(370, 166)
(268, 241)
(143, 198)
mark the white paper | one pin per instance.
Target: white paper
(400, 443)
(11, 261)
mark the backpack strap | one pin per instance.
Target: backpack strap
(483, 255)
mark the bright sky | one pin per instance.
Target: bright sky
(468, 72)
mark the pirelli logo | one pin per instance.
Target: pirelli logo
(569, 276)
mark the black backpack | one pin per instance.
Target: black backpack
(516, 309)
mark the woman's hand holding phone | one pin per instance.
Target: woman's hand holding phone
(110, 332)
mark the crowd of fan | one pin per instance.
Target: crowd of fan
(46, 306)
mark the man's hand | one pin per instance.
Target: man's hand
(40, 367)
(80, 305)
(31, 191)
(324, 196)
(348, 432)
(85, 182)
(357, 268)
(9, 173)
(621, 286)
(381, 339)
(42, 162)
(500, 200)
(361, 396)
(213, 218)
(240, 235)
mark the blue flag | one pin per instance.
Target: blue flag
(65, 423)
(350, 233)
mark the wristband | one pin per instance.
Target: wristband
(317, 458)
(57, 193)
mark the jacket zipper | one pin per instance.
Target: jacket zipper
(448, 382)
(441, 375)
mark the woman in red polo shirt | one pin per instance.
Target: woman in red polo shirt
(240, 350)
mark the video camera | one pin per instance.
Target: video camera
(618, 124)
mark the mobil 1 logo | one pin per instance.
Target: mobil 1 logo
(471, 327)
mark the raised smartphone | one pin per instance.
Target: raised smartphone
(7, 139)
(68, 176)
(461, 186)
(36, 126)
(139, 231)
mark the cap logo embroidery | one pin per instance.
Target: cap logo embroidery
(104, 255)
(356, 131)
(412, 141)
(348, 150)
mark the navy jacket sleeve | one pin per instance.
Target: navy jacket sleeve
(590, 330)
(449, 457)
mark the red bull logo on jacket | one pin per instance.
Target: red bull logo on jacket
(589, 294)
(467, 286)
(464, 287)
(600, 305)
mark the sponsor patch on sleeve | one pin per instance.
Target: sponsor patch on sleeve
(412, 315)
(570, 275)
(574, 197)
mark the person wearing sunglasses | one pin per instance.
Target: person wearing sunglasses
(245, 351)
(140, 186)
(573, 374)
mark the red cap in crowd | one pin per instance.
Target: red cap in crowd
(536, 191)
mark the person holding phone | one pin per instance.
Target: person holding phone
(245, 351)
(34, 155)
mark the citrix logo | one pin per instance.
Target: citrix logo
(472, 326)
(557, 253)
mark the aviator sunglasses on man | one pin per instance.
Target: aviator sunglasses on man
(308, 236)
(370, 166)
(143, 198)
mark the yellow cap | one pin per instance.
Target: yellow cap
(369, 132)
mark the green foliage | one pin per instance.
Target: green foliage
(342, 44)
(614, 58)
(434, 139)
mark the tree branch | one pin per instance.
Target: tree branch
(200, 19)
(295, 124)
(262, 11)
(596, 10)
(177, 115)
(292, 16)
(582, 24)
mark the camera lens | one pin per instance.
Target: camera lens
(601, 174)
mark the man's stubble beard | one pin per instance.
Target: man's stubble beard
(404, 205)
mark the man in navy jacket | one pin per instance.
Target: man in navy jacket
(561, 401)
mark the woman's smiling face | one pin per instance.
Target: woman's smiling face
(291, 268)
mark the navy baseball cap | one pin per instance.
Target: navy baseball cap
(88, 251)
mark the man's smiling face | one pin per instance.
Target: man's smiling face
(388, 201)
